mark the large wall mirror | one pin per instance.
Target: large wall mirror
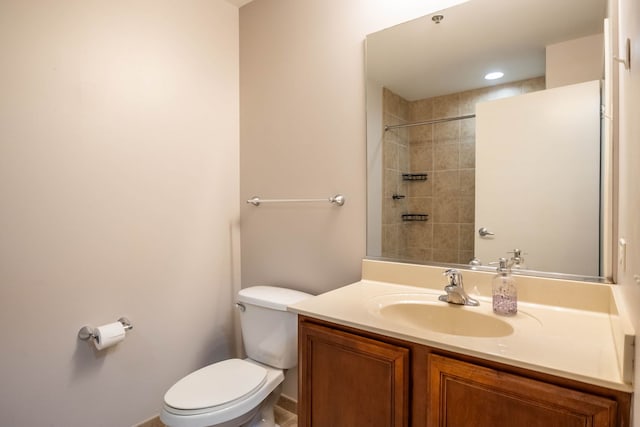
(464, 169)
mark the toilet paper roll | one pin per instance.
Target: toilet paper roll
(109, 335)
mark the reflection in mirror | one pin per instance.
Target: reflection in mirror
(451, 153)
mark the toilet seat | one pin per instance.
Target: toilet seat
(215, 385)
(220, 392)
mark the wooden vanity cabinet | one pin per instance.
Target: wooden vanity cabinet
(348, 380)
(464, 394)
(349, 377)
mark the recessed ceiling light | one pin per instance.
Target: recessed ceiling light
(494, 75)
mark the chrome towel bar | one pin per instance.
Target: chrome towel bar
(338, 199)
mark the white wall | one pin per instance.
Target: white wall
(629, 167)
(575, 61)
(119, 192)
(554, 218)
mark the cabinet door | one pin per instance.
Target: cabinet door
(347, 380)
(462, 395)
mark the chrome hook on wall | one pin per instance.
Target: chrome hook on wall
(626, 60)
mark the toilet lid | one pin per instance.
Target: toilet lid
(216, 384)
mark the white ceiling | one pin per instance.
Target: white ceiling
(419, 59)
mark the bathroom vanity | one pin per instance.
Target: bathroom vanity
(385, 352)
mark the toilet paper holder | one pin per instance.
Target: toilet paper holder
(87, 332)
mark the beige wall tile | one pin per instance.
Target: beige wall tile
(445, 182)
(464, 257)
(390, 182)
(403, 158)
(419, 234)
(421, 157)
(533, 85)
(468, 101)
(446, 156)
(390, 155)
(467, 210)
(446, 106)
(391, 119)
(468, 128)
(467, 154)
(390, 240)
(403, 108)
(467, 182)
(446, 236)
(446, 132)
(421, 110)
(419, 254)
(392, 211)
(390, 102)
(418, 134)
(466, 237)
(445, 255)
(421, 205)
(446, 209)
(504, 91)
(420, 188)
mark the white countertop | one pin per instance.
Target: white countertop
(580, 344)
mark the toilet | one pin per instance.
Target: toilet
(242, 392)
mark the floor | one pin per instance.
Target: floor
(284, 412)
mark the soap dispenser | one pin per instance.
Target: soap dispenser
(504, 291)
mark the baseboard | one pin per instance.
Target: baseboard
(287, 403)
(151, 422)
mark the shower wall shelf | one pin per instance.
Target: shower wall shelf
(414, 176)
(415, 217)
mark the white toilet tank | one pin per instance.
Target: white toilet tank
(269, 331)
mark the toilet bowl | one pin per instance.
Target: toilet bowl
(237, 392)
(225, 394)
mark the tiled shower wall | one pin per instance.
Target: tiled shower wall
(446, 153)
(395, 158)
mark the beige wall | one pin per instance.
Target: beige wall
(119, 193)
(575, 61)
(628, 216)
(119, 183)
(302, 127)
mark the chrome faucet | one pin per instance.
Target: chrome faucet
(455, 290)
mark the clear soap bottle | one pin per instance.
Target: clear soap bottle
(504, 291)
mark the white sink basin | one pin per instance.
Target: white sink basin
(426, 313)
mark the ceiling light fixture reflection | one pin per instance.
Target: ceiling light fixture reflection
(494, 75)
